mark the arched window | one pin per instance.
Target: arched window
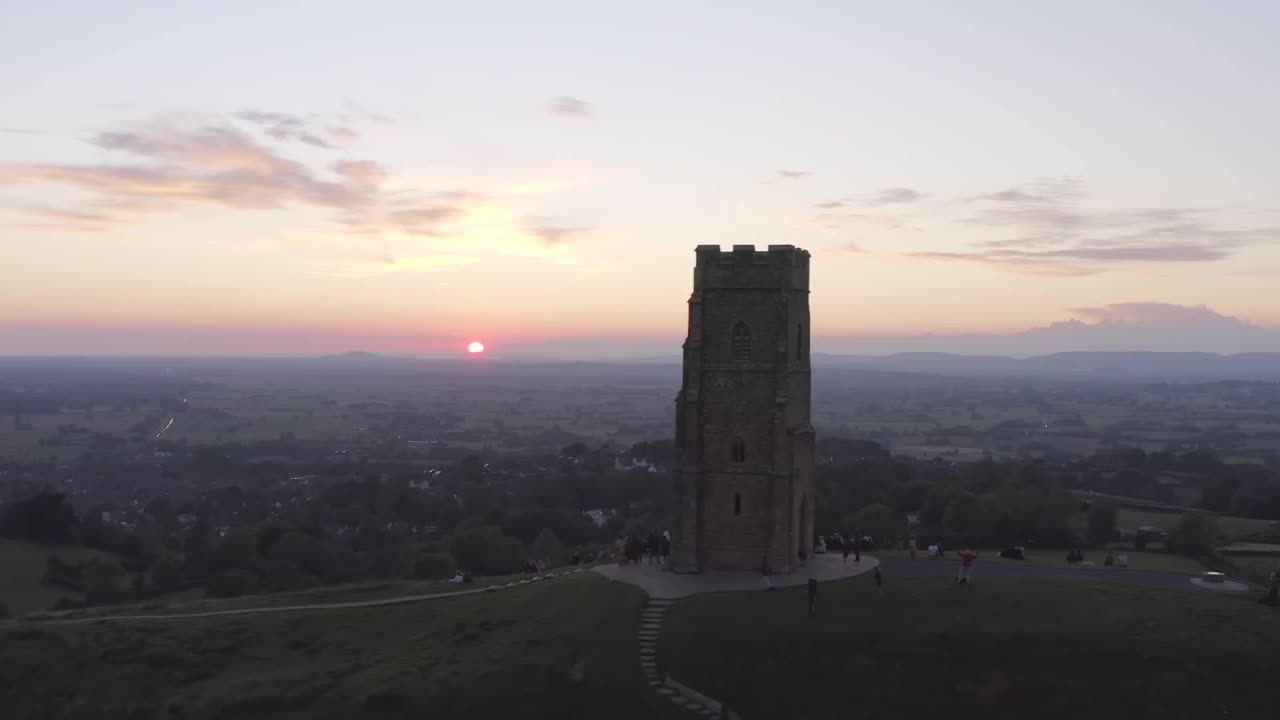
(739, 450)
(740, 344)
(737, 503)
(799, 342)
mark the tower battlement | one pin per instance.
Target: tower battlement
(744, 267)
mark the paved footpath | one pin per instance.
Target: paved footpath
(659, 583)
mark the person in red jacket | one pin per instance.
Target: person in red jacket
(967, 557)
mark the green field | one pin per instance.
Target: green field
(946, 452)
(506, 654)
(21, 568)
(1251, 548)
(1005, 648)
(1132, 513)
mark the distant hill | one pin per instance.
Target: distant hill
(352, 356)
(1091, 365)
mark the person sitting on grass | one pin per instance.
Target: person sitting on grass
(1122, 560)
(458, 578)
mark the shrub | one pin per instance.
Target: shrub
(486, 551)
(232, 583)
(1102, 524)
(433, 566)
(1193, 535)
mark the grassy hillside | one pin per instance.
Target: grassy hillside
(505, 653)
(1007, 648)
(22, 567)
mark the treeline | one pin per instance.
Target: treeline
(1242, 490)
(985, 503)
(475, 516)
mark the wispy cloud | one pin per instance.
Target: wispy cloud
(1049, 227)
(1155, 314)
(309, 129)
(165, 166)
(565, 106)
(795, 174)
(555, 235)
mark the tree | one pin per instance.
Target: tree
(548, 547)
(103, 583)
(433, 565)
(43, 517)
(306, 552)
(232, 583)
(1102, 523)
(1193, 535)
(164, 575)
(879, 521)
(236, 550)
(486, 551)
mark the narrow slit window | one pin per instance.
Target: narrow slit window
(740, 342)
(737, 503)
(799, 342)
(739, 450)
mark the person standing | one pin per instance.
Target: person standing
(1272, 597)
(652, 549)
(844, 548)
(911, 546)
(857, 547)
(813, 595)
(665, 547)
(967, 557)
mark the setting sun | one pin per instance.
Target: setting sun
(475, 347)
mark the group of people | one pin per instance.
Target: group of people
(847, 544)
(1120, 559)
(655, 548)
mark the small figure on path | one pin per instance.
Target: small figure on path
(857, 547)
(1273, 595)
(966, 566)
(878, 578)
(652, 549)
(665, 547)
(911, 546)
(813, 595)
(844, 548)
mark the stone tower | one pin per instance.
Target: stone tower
(744, 441)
